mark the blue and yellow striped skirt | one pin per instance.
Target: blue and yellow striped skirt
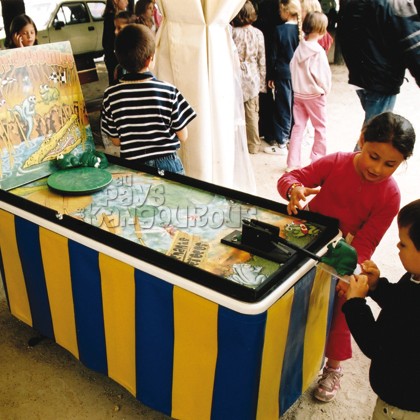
(175, 351)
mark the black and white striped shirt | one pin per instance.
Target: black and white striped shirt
(145, 113)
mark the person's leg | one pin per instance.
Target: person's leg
(300, 116)
(265, 123)
(374, 103)
(337, 350)
(283, 108)
(111, 63)
(251, 120)
(282, 116)
(317, 110)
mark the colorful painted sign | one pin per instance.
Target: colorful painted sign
(42, 112)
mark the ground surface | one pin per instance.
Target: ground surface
(46, 382)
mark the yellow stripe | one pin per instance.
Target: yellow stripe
(15, 282)
(316, 327)
(273, 355)
(56, 262)
(118, 299)
(195, 354)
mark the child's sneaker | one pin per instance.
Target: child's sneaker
(328, 384)
(278, 149)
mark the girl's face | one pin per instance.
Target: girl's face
(119, 25)
(149, 10)
(409, 255)
(28, 35)
(377, 161)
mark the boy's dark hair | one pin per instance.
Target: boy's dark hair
(134, 45)
(391, 128)
(127, 16)
(246, 16)
(315, 22)
(409, 217)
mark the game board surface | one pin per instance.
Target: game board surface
(175, 219)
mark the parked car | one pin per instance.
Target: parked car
(77, 21)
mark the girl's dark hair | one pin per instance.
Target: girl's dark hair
(409, 216)
(391, 128)
(134, 45)
(246, 16)
(141, 6)
(16, 26)
(109, 8)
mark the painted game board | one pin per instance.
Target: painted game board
(178, 220)
(42, 111)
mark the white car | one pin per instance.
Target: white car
(79, 22)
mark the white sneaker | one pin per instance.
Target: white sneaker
(279, 149)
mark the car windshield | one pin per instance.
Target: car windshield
(40, 12)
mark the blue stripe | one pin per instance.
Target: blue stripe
(3, 278)
(27, 235)
(154, 341)
(333, 284)
(291, 378)
(238, 368)
(88, 311)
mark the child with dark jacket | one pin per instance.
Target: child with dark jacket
(392, 342)
(145, 116)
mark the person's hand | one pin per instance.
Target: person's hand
(341, 288)
(17, 40)
(358, 287)
(297, 195)
(271, 84)
(371, 271)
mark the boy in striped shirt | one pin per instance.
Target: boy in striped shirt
(146, 117)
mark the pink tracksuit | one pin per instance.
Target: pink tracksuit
(311, 82)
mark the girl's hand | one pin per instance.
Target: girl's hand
(341, 288)
(17, 40)
(358, 287)
(371, 271)
(297, 195)
(271, 84)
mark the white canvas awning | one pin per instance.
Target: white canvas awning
(195, 52)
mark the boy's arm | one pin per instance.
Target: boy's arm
(115, 141)
(182, 134)
(384, 292)
(362, 326)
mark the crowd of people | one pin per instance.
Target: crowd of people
(285, 75)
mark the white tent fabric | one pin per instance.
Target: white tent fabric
(195, 52)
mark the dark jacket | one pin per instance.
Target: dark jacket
(286, 40)
(392, 342)
(380, 39)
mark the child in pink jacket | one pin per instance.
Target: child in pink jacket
(311, 82)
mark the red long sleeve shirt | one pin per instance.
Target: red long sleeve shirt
(364, 209)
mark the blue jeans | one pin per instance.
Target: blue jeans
(170, 163)
(282, 117)
(375, 103)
